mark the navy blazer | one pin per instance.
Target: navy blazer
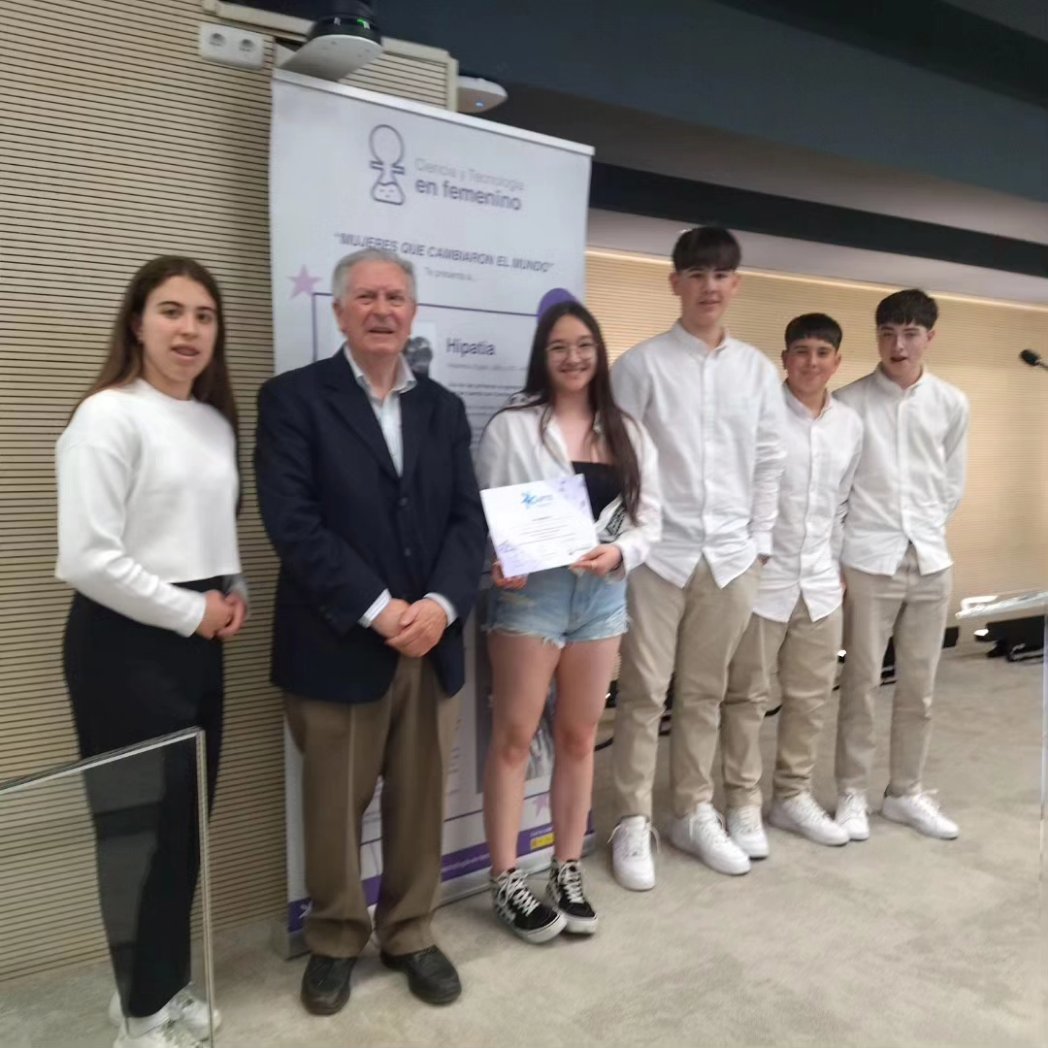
(346, 527)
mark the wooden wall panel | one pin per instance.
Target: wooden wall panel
(118, 143)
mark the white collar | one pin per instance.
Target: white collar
(889, 386)
(404, 381)
(802, 410)
(694, 342)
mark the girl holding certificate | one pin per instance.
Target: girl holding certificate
(562, 625)
(147, 498)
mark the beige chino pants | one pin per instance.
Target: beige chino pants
(912, 609)
(690, 633)
(803, 653)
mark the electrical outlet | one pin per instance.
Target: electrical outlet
(229, 46)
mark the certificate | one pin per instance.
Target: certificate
(544, 524)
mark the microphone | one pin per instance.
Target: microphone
(1028, 356)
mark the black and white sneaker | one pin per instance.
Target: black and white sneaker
(520, 911)
(564, 891)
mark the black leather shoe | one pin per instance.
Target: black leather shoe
(325, 983)
(431, 976)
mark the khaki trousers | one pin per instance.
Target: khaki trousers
(406, 737)
(911, 607)
(804, 655)
(691, 634)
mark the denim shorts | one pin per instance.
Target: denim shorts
(561, 607)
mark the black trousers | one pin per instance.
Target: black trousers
(128, 683)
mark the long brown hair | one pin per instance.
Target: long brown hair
(123, 363)
(538, 389)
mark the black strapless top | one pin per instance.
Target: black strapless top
(602, 484)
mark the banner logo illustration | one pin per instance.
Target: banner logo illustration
(387, 148)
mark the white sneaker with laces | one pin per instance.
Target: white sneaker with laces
(169, 1034)
(747, 831)
(185, 1007)
(922, 812)
(701, 833)
(631, 861)
(802, 814)
(852, 814)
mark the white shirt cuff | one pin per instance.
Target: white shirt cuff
(195, 614)
(762, 539)
(379, 605)
(445, 605)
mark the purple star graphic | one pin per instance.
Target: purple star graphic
(303, 283)
(541, 803)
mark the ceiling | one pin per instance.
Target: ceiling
(650, 143)
(1026, 16)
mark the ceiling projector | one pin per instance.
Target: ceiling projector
(338, 44)
(477, 95)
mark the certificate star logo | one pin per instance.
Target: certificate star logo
(302, 283)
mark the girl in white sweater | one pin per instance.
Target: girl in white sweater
(563, 624)
(148, 488)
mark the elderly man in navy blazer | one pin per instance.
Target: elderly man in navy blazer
(368, 495)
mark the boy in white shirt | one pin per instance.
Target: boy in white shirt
(795, 631)
(713, 408)
(897, 569)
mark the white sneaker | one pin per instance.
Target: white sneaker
(851, 815)
(185, 1007)
(702, 833)
(169, 1034)
(631, 860)
(747, 831)
(802, 814)
(922, 812)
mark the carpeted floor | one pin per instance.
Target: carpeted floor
(896, 941)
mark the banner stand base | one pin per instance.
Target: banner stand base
(286, 944)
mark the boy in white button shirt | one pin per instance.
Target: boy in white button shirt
(897, 569)
(713, 408)
(796, 626)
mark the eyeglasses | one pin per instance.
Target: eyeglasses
(585, 349)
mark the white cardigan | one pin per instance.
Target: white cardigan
(512, 451)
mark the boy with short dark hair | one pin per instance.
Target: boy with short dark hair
(707, 248)
(795, 631)
(713, 408)
(897, 568)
